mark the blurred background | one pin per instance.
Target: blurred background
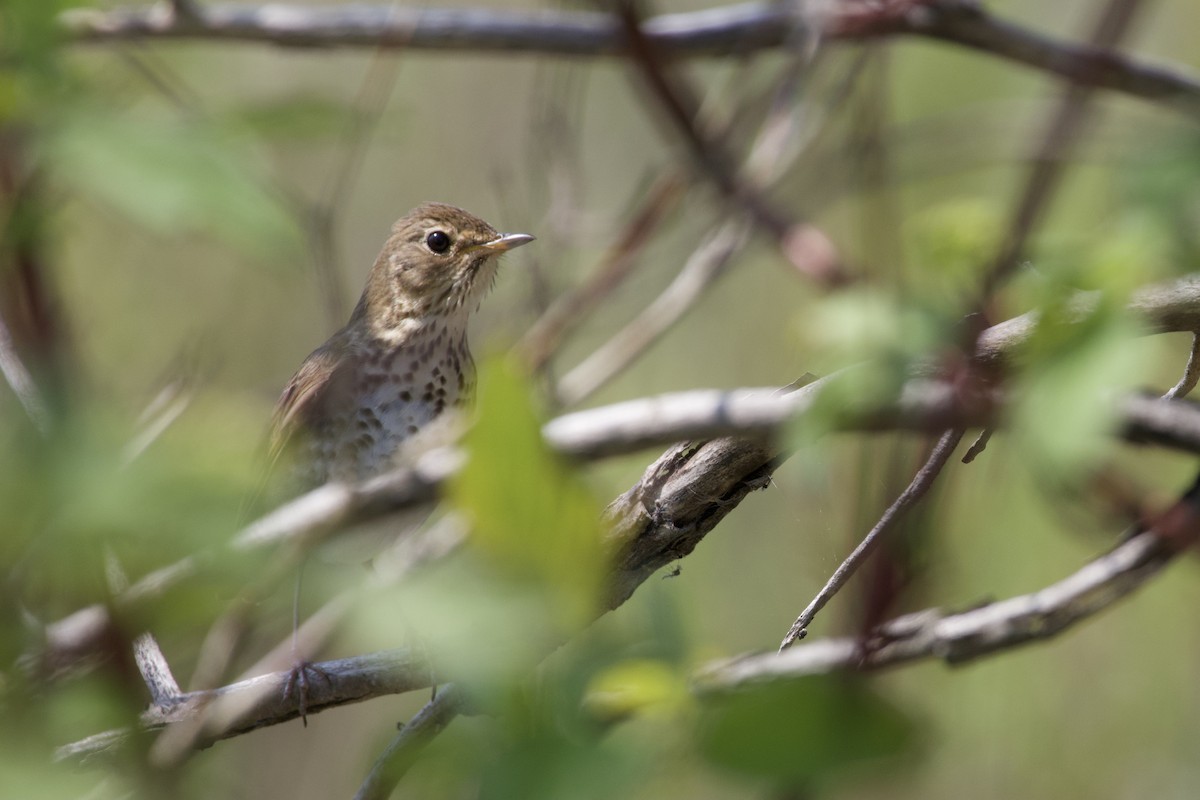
(192, 218)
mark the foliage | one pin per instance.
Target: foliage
(200, 182)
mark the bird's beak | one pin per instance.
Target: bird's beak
(506, 241)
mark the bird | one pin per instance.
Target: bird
(391, 372)
(403, 357)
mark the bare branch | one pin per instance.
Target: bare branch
(960, 637)
(260, 701)
(1191, 373)
(917, 489)
(401, 753)
(545, 335)
(637, 424)
(156, 672)
(21, 382)
(1048, 167)
(704, 266)
(680, 498)
(729, 30)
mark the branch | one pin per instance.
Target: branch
(260, 701)
(637, 424)
(1191, 373)
(917, 489)
(680, 498)
(702, 268)
(957, 638)
(730, 30)
(401, 753)
(1048, 167)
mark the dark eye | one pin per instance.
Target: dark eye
(438, 241)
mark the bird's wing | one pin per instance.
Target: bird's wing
(309, 398)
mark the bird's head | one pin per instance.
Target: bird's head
(439, 261)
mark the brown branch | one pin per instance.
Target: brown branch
(729, 30)
(568, 311)
(1046, 172)
(676, 98)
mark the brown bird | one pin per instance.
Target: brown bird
(403, 357)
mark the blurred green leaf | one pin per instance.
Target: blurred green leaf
(951, 244)
(868, 325)
(304, 116)
(530, 515)
(802, 731)
(638, 686)
(1073, 369)
(172, 176)
(478, 629)
(1163, 181)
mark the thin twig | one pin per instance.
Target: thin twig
(401, 753)
(676, 98)
(1191, 373)
(917, 489)
(703, 267)
(1059, 139)
(568, 311)
(22, 383)
(957, 638)
(367, 109)
(768, 158)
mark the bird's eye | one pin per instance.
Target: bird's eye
(438, 241)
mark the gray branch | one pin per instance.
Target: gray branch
(638, 424)
(728, 30)
(960, 637)
(261, 701)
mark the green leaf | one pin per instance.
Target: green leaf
(951, 244)
(801, 731)
(1064, 411)
(302, 116)
(638, 686)
(531, 516)
(173, 177)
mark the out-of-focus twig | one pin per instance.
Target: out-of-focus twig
(703, 267)
(21, 382)
(1052, 156)
(774, 148)
(679, 103)
(543, 338)
(367, 109)
(734, 29)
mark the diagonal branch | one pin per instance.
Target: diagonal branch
(995, 627)
(917, 489)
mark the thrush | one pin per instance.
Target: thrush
(402, 359)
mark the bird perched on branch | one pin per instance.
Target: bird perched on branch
(403, 357)
(385, 378)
